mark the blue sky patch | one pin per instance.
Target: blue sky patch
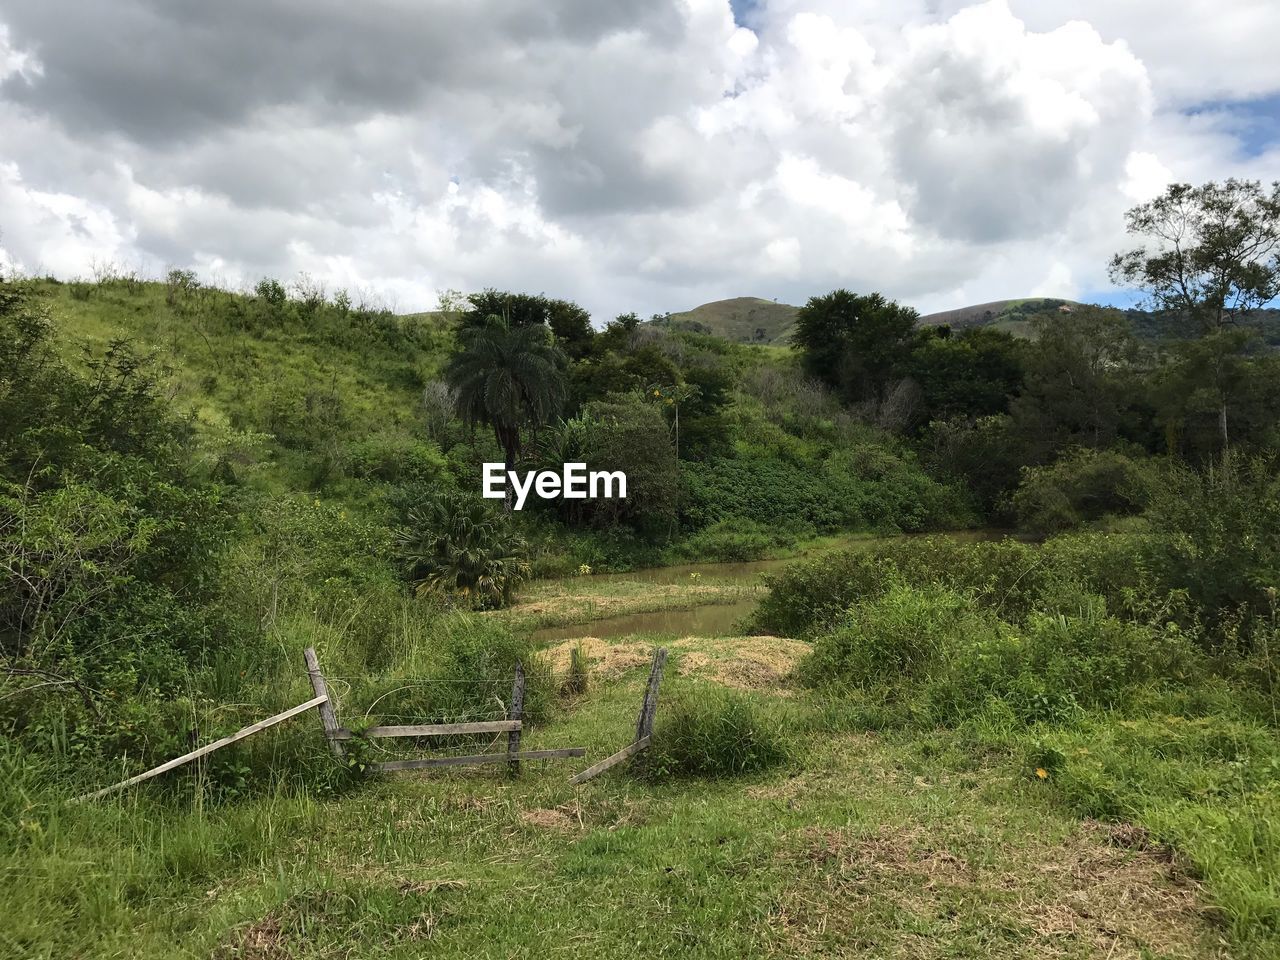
(1255, 122)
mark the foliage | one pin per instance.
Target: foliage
(461, 549)
(715, 733)
(1212, 249)
(735, 540)
(569, 323)
(624, 434)
(1080, 487)
(509, 377)
(108, 539)
(1211, 255)
(1078, 383)
(1218, 534)
(853, 343)
(970, 374)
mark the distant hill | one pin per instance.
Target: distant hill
(742, 319)
(1011, 316)
(753, 320)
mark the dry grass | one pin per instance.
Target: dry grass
(1087, 895)
(603, 658)
(746, 663)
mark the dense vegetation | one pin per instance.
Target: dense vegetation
(196, 484)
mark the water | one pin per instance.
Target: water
(706, 620)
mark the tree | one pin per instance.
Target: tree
(508, 377)
(570, 323)
(1077, 389)
(854, 343)
(1211, 254)
(971, 374)
(621, 433)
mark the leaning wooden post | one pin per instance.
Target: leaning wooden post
(515, 712)
(649, 707)
(327, 717)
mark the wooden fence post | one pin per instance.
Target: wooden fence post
(327, 717)
(515, 712)
(648, 709)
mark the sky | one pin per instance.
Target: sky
(630, 156)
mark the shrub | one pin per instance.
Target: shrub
(901, 636)
(937, 650)
(462, 549)
(1217, 534)
(715, 733)
(735, 540)
(1080, 487)
(1006, 576)
(627, 434)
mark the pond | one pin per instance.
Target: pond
(707, 620)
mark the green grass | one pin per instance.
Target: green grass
(901, 844)
(253, 378)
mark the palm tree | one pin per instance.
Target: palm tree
(508, 377)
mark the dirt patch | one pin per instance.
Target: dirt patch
(261, 940)
(557, 819)
(1085, 895)
(747, 663)
(610, 659)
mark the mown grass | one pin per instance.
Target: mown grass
(896, 844)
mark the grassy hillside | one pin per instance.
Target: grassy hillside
(290, 399)
(1012, 316)
(914, 747)
(741, 319)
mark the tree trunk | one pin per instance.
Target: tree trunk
(1222, 424)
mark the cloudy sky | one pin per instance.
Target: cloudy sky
(643, 156)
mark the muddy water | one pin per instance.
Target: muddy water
(707, 620)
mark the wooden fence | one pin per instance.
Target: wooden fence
(512, 726)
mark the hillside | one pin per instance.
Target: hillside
(1011, 316)
(753, 320)
(288, 396)
(740, 319)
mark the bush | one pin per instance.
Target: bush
(938, 651)
(735, 540)
(464, 550)
(1006, 576)
(867, 487)
(1080, 487)
(1216, 534)
(901, 636)
(715, 733)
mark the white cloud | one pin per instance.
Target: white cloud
(629, 156)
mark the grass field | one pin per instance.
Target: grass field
(859, 845)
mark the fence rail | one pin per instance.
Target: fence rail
(512, 726)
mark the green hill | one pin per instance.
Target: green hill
(741, 319)
(753, 320)
(292, 396)
(1011, 316)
